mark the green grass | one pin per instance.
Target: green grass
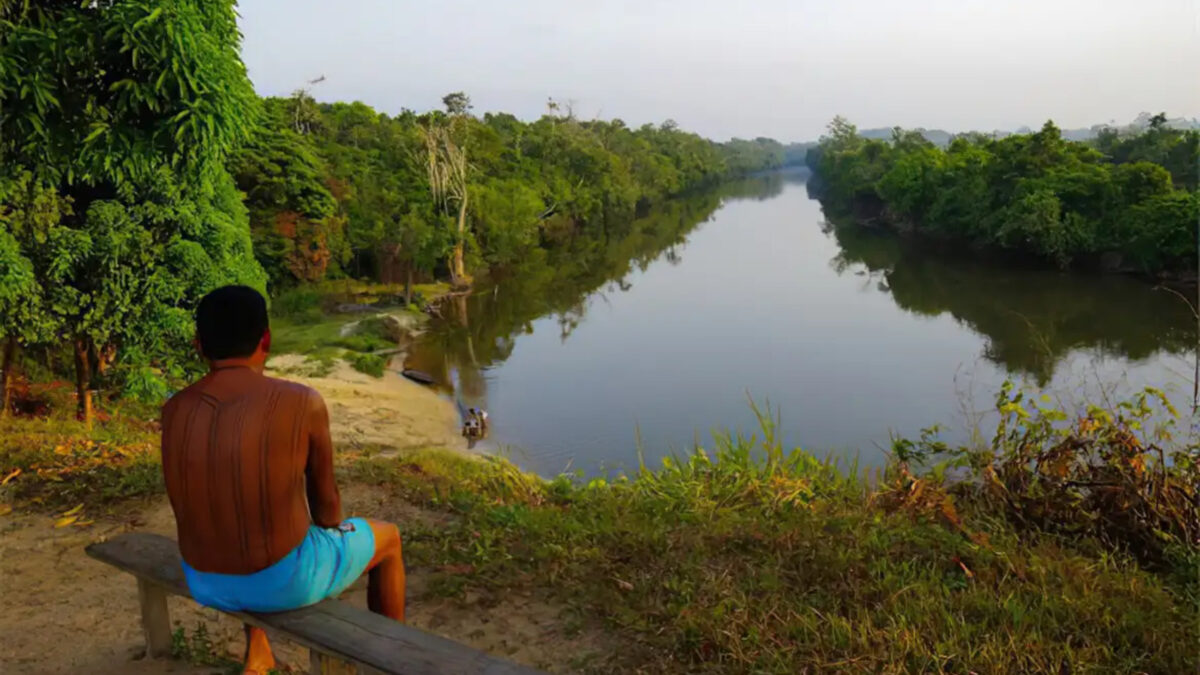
(301, 326)
(289, 337)
(198, 649)
(369, 335)
(760, 560)
(323, 344)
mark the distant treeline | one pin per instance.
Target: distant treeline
(1142, 122)
(1126, 202)
(342, 189)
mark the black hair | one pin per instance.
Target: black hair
(230, 322)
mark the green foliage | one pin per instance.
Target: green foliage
(311, 332)
(507, 215)
(1133, 205)
(1172, 149)
(528, 184)
(27, 211)
(757, 559)
(300, 305)
(299, 326)
(1107, 475)
(760, 154)
(199, 649)
(107, 93)
(370, 364)
(368, 335)
(115, 123)
(147, 385)
(294, 217)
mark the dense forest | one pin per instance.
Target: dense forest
(141, 170)
(1124, 202)
(341, 189)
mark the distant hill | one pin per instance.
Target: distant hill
(796, 154)
(1140, 123)
(935, 136)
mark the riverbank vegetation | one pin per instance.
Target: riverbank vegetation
(1071, 548)
(342, 189)
(1126, 203)
(1061, 545)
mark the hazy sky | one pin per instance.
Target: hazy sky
(779, 68)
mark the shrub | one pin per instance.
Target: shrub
(1107, 474)
(370, 364)
(146, 385)
(301, 305)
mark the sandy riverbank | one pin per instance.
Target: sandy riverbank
(387, 412)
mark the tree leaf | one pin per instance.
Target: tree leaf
(96, 133)
(148, 18)
(65, 521)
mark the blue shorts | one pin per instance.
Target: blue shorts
(322, 566)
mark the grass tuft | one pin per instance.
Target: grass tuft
(750, 558)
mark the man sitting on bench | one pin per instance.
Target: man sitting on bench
(248, 463)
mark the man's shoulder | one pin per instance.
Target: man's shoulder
(181, 397)
(292, 389)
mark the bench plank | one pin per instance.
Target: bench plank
(331, 627)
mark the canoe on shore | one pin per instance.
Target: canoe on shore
(417, 376)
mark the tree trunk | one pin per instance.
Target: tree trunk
(10, 362)
(460, 310)
(408, 279)
(83, 378)
(458, 272)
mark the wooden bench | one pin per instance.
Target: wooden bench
(341, 638)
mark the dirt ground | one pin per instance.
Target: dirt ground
(62, 612)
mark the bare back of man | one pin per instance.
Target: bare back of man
(248, 463)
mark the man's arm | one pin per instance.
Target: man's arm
(323, 500)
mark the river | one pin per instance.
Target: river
(662, 332)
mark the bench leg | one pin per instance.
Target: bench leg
(321, 664)
(156, 622)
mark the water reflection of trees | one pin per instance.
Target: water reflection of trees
(1031, 318)
(481, 330)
